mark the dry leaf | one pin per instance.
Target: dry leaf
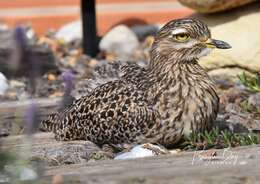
(51, 77)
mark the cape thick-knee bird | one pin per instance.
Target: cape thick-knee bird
(170, 97)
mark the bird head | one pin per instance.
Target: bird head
(186, 39)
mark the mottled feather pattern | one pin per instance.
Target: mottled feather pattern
(170, 97)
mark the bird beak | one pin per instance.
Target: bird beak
(211, 43)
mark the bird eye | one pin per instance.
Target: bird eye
(182, 37)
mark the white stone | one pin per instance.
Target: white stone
(30, 34)
(70, 32)
(143, 150)
(121, 41)
(3, 84)
(28, 174)
(136, 152)
(3, 27)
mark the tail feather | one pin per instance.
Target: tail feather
(50, 124)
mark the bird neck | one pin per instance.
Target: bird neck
(165, 71)
(167, 64)
(163, 60)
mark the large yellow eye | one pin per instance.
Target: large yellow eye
(182, 37)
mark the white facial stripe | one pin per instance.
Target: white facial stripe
(188, 44)
(178, 31)
(204, 52)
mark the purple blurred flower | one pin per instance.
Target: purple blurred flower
(32, 121)
(18, 51)
(25, 59)
(68, 78)
(69, 82)
(20, 37)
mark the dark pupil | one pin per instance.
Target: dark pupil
(182, 35)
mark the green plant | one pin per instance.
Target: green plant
(6, 158)
(218, 139)
(16, 170)
(251, 82)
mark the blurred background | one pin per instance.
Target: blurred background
(47, 38)
(50, 49)
(43, 15)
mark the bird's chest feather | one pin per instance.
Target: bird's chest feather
(187, 102)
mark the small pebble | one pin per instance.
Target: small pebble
(51, 77)
(233, 108)
(175, 151)
(242, 163)
(17, 84)
(3, 84)
(28, 174)
(254, 100)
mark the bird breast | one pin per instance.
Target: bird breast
(187, 101)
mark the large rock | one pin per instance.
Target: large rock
(120, 41)
(70, 32)
(240, 28)
(45, 148)
(211, 6)
(143, 31)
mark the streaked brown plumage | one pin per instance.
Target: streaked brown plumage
(171, 97)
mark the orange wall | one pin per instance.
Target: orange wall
(105, 20)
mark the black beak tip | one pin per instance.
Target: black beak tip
(226, 46)
(221, 44)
